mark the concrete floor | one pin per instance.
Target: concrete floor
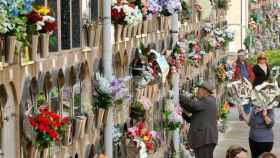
(237, 133)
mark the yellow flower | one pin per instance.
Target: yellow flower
(146, 138)
(41, 10)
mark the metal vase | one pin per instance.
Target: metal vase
(118, 32)
(33, 49)
(10, 45)
(44, 45)
(91, 35)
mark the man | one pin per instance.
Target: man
(243, 70)
(203, 133)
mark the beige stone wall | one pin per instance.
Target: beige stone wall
(237, 21)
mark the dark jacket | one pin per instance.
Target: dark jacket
(203, 122)
(260, 75)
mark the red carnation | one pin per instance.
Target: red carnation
(53, 134)
(141, 125)
(49, 27)
(33, 17)
(43, 128)
(54, 116)
(32, 122)
(149, 146)
(43, 120)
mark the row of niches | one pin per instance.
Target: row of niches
(64, 95)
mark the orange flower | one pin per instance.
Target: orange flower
(102, 156)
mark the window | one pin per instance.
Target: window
(68, 15)
(94, 10)
(53, 38)
(65, 24)
(76, 23)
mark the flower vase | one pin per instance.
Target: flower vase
(34, 152)
(145, 27)
(80, 122)
(98, 34)
(68, 135)
(44, 45)
(90, 36)
(139, 29)
(33, 49)
(90, 123)
(134, 30)
(99, 115)
(129, 31)
(124, 33)
(106, 114)
(25, 56)
(45, 153)
(118, 32)
(10, 45)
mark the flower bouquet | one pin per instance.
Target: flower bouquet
(224, 72)
(49, 128)
(45, 24)
(148, 67)
(176, 59)
(13, 24)
(124, 14)
(142, 140)
(170, 7)
(106, 93)
(223, 114)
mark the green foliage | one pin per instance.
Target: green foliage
(103, 99)
(221, 4)
(171, 126)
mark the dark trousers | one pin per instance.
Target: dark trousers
(205, 151)
(257, 148)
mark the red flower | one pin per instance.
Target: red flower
(52, 134)
(49, 27)
(43, 128)
(33, 17)
(149, 146)
(65, 120)
(42, 119)
(32, 122)
(141, 125)
(54, 116)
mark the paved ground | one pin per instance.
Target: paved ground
(238, 134)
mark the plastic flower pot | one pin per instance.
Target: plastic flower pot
(129, 31)
(33, 49)
(91, 35)
(45, 153)
(44, 45)
(90, 123)
(68, 135)
(124, 33)
(10, 45)
(99, 117)
(118, 32)
(25, 56)
(98, 34)
(34, 152)
(139, 29)
(80, 123)
(145, 27)
(134, 30)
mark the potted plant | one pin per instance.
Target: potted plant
(13, 25)
(33, 27)
(49, 128)
(46, 26)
